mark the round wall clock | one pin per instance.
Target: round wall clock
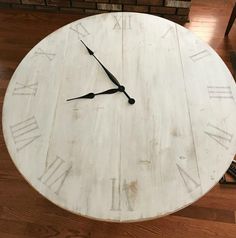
(121, 117)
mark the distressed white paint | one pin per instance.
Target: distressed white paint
(104, 158)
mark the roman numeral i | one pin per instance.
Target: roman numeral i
(55, 174)
(25, 132)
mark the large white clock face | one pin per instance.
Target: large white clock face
(103, 157)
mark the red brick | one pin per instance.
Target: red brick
(150, 2)
(4, 5)
(71, 10)
(46, 8)
(109, 7)
(124, 1)
(23, 6)
(9, 1)
(163, 10)
(175, 18)
(96, 1)
(80, 4)
(183, 11)
(94, 11)
(135, 8)
(176, 3)
(33, 2)
(58, 3)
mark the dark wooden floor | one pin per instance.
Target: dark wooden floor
(24, 213)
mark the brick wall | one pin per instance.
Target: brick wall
(175, 10)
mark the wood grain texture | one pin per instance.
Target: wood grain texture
(34, 216)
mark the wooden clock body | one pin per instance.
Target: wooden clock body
(104, 158)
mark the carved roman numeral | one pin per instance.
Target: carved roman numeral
(80, 29)
(115, 199)
(128, 190)
(200, 55)
(55, 174)
(49, 56)
(116, 195)
(25, 89)
(220, 136)
(25, 132)
(189, 182)
(167, 32)
(219, 92)
(122, 22)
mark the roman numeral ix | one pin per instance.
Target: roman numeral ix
(24, 133)
(55, 174)
(25, 89)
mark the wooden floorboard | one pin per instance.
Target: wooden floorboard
(26, 214)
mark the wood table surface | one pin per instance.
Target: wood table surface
(24, 213)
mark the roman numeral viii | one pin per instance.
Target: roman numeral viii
(55, 174)
(25, 89)
(25, 132)
(222, 137)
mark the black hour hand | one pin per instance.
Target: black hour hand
(92, 95)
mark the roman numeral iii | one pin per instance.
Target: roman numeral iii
(55, 174)
(24, 133)
(222, 137)
(219, 92)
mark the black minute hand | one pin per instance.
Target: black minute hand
(92, 95)
(109, 74)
